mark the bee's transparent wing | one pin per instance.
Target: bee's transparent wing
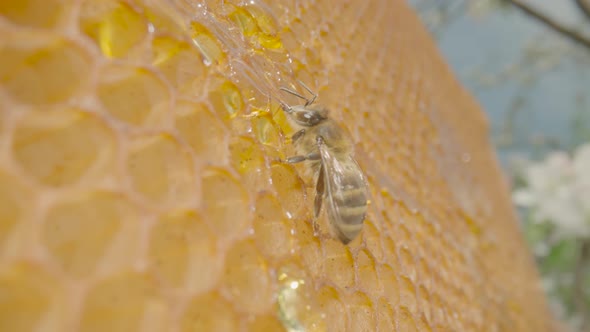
(346, 194)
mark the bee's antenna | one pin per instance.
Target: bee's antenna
(308, 101)
(293, 93)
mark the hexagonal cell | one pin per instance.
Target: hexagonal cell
(59, 148)
(367, 278)
(35, 13)
(297, 305)
(79, 232)
(161, 171)
(183, 252)
(385, 319)
(164, 17)
(206, 135)
(339, 265)
(122, 303)
(179, 62)
(247, 279)
(361, 312)
(405, 320)
(115, 26)
(248, 159)
(391, 291)
(290, 189)
(226, 205)
(333, 308)
(43, 71)
(134, 95)
(226, 99)
(208, 44)
(209, 312)
(32, 299)
(271, 227)
(267, 131)
(408, 294)
(15, 200)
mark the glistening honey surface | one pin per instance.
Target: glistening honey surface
(142, 186)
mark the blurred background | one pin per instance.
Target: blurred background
(528, 65)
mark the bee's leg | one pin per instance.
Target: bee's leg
(297, 135)
(319, 193)
(298, 159)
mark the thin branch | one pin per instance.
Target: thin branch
(584, 6)
(578, 284)
(548, 21)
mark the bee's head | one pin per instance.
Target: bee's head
(306, 116)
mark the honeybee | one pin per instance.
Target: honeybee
(340, 182)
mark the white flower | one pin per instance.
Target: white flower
(558, 192)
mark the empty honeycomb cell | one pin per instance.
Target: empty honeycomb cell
(163, 17)
(134, 95)
(338, 264)
(161, 170)
(209, 312)
(248, 159)
(247, 279)
(408, 262)
(272, 228)
(226, 100)
(408, 294)
(308, 246)
(42, 71)
(78, 232)
(179, 62)
(121, 303)
(15, 201)
(372, 240)
(384, 316)
(34, 13)
(205, 134)
(208, 44)
(367, 279)
(225, 203)
(423, 324)
(115, 26)
(30, 299)
(405, 320)
(333, 308)
(183, 251)
(391, 287)
(361, 313)
(290, 189)
(58, 148)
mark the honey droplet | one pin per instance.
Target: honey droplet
(227, 100)
(179, 62)
(244, 21)
(298, 309)
(115, 26)
(208, 45)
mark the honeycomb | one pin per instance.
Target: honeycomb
(142, 188)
